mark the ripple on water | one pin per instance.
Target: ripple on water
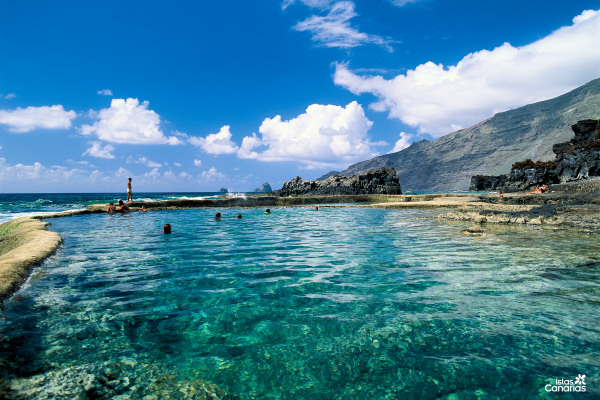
(340, 303)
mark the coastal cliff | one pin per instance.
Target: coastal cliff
(577, 159)
(382, 181)
(489, 147)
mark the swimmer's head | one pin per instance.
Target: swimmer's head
(268, 211)
(239, 216)
(218, 216)
(167, 228)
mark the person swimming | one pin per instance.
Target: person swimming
(239, 216)
(143, 209)
(267, 211)
(167, 229)
(218, 216)
(111, 208)
(316, 208)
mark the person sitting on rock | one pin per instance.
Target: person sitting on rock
(124, 208)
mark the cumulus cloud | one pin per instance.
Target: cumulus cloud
(22, 177)
(105, 92)
(128, 121)
(21, 120)
(143, 161)
(334, 29)
(177, 164)
(211, 175)
(402, 143)
(197, 162)
(216, 143)
(98, 151)
(324, 136)
(439, 100)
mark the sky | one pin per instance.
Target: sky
(196, 95)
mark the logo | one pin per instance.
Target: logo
(567, 385)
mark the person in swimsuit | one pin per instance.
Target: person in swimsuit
(129, 194)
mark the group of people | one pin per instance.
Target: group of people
(167, 227)
(124, 207)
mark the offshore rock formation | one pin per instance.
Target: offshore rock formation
(382, 181)
(575, 160)
(265, 188)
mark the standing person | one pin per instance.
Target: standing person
(129, 194)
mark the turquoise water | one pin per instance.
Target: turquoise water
(302, 304)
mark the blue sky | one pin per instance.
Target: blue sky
(195, 96)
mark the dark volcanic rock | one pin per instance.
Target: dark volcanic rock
(382, 181)
(576, 159)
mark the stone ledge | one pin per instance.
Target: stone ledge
(24, 242)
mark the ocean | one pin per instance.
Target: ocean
(339, 303)
(14, 205)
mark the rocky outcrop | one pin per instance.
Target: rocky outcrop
(575, 160)
(382, 181)
(265, 188)
(24, 242)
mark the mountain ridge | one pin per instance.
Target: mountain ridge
(489, 147)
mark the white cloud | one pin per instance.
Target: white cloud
(105, 92)
(10, 96)
(197, 162)
(334, 29)
(98, 151)
(322, 4)
(177, 164)
(324, 136)
(22, 120)
(402, 143)
(22, 177)
(439, 100)
(128, 121)
(216, 143)
(143, 161)
(402, 3)
(211, 175)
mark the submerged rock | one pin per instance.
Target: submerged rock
(382, 181)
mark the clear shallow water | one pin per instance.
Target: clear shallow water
(339, 303)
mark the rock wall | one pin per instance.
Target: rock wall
(382, 181)
(575, 160)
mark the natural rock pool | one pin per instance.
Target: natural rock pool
(302, 304)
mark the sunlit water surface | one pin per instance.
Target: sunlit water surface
(303, 304)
